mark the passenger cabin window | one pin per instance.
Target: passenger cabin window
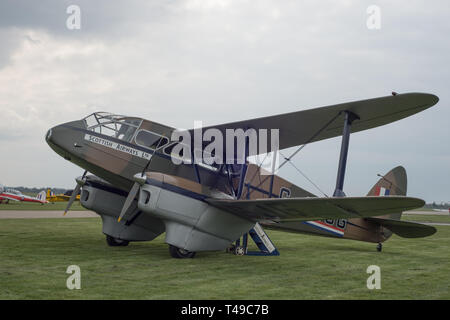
(150, 140)
(168, 151)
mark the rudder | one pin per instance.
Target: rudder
(393, 183)
(42, 196)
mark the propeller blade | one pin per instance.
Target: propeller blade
(131, 195)
(140, 179)
(75, 191)
(72, 198)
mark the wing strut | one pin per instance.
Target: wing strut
(243, 170)
(349, 118)
(286, 160)
(237, 192)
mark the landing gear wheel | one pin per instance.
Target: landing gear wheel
(113, 242)
(239, 251)
(379, 247)
(180, 253)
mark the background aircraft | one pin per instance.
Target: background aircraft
(7, 194)
(140, 193)
(52, 198)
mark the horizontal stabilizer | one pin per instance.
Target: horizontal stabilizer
(305, 209)
(406, 229)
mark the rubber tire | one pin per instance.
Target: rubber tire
(113, 242)
(180, 253)
(239, 251)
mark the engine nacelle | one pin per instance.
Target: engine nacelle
(107, 201)
(191, 223)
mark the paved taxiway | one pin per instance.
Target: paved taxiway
(19, 214)
(429, 213)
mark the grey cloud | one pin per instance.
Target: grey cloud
(217, 61)
(10, 40)
(101, 18)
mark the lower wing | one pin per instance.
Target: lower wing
(306, 209)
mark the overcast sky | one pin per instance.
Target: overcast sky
(218, 61)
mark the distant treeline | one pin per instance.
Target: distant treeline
(434, 205)
(26, 190)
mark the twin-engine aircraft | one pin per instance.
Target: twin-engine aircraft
(140, 192)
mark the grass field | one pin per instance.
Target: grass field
(426, 218)
(35, 253)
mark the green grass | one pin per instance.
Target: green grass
(57, 206)
(426, 218)
(35, 253)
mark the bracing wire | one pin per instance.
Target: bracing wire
(299, 149)
(304, 175)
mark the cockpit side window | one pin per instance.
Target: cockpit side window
(14, 191)
(120, 127)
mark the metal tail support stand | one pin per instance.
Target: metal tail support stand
(349, 118)
(261, 239)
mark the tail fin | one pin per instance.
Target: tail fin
(393, 183)
(41, 196)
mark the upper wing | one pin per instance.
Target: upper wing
(306, 209)
(299, 127)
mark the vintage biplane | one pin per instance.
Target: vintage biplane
(140, 192)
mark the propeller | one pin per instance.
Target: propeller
(140, 179)
(80, 182)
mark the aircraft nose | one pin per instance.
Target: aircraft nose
(65, 138)
(48, 135)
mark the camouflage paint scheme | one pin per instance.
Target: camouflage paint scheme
(116, 161)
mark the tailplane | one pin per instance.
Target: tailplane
(394, 183)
